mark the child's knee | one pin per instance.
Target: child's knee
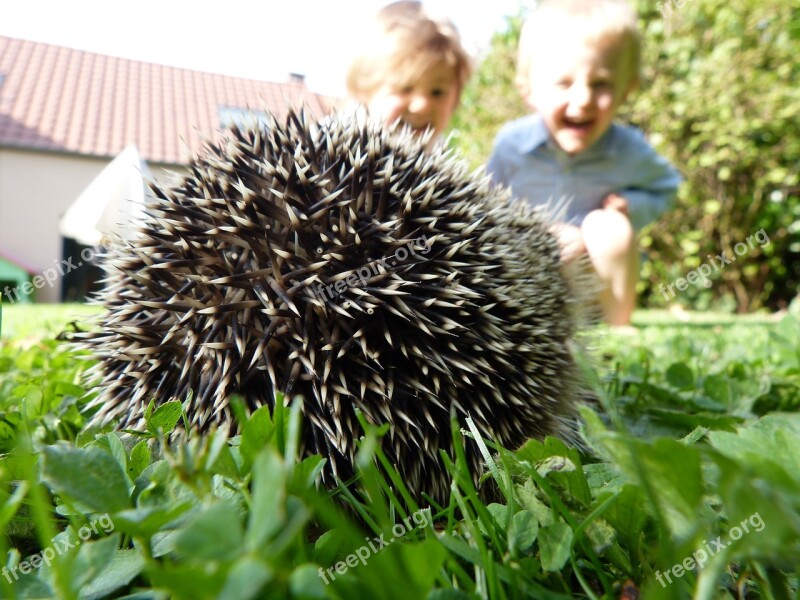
(608, 232)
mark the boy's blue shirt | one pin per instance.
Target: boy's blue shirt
(620, 162)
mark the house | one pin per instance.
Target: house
(66, 113)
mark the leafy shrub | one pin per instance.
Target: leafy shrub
(490, 98)
(722, 102)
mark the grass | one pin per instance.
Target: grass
(687, 485)
(41, 320)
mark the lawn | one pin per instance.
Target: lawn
(687, 484)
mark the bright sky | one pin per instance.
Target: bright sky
(264, 39)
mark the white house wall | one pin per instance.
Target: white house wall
(36, 188)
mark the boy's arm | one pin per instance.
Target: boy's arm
(653, 189)
(615, 202)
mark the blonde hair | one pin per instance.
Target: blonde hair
(404, 42)
(595, 20)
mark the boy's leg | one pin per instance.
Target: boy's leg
(611, 244)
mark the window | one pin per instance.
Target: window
(236, 115)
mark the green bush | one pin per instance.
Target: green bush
(490, 98)
(720, 100)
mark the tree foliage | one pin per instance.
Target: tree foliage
(720, 99)
(491, 98)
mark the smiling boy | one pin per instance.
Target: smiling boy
(578, 62)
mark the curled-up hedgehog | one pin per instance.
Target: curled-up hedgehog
(343, 263)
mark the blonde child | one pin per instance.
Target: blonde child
(578, 62)
(412, 68)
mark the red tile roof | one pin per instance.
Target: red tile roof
(65, 100)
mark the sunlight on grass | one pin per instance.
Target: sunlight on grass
(43, 320)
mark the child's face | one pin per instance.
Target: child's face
(427, 101)
(578, 87)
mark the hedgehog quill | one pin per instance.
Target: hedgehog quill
(218, 296)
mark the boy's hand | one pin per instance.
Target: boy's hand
(570, 241)
(615, 202)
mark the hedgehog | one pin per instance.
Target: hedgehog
(344, 264)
